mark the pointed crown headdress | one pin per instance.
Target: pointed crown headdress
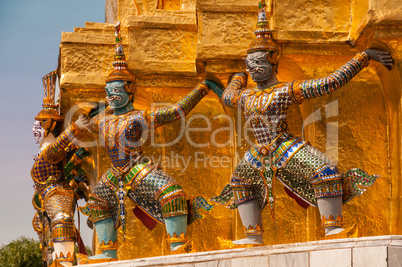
(120, 71)
(264, 41)
(50, 110)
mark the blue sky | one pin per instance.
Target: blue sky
(30, 36)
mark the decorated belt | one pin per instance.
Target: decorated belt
(281, 149)
(133, 177)
(265, 149)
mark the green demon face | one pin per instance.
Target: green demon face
(116, 96)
